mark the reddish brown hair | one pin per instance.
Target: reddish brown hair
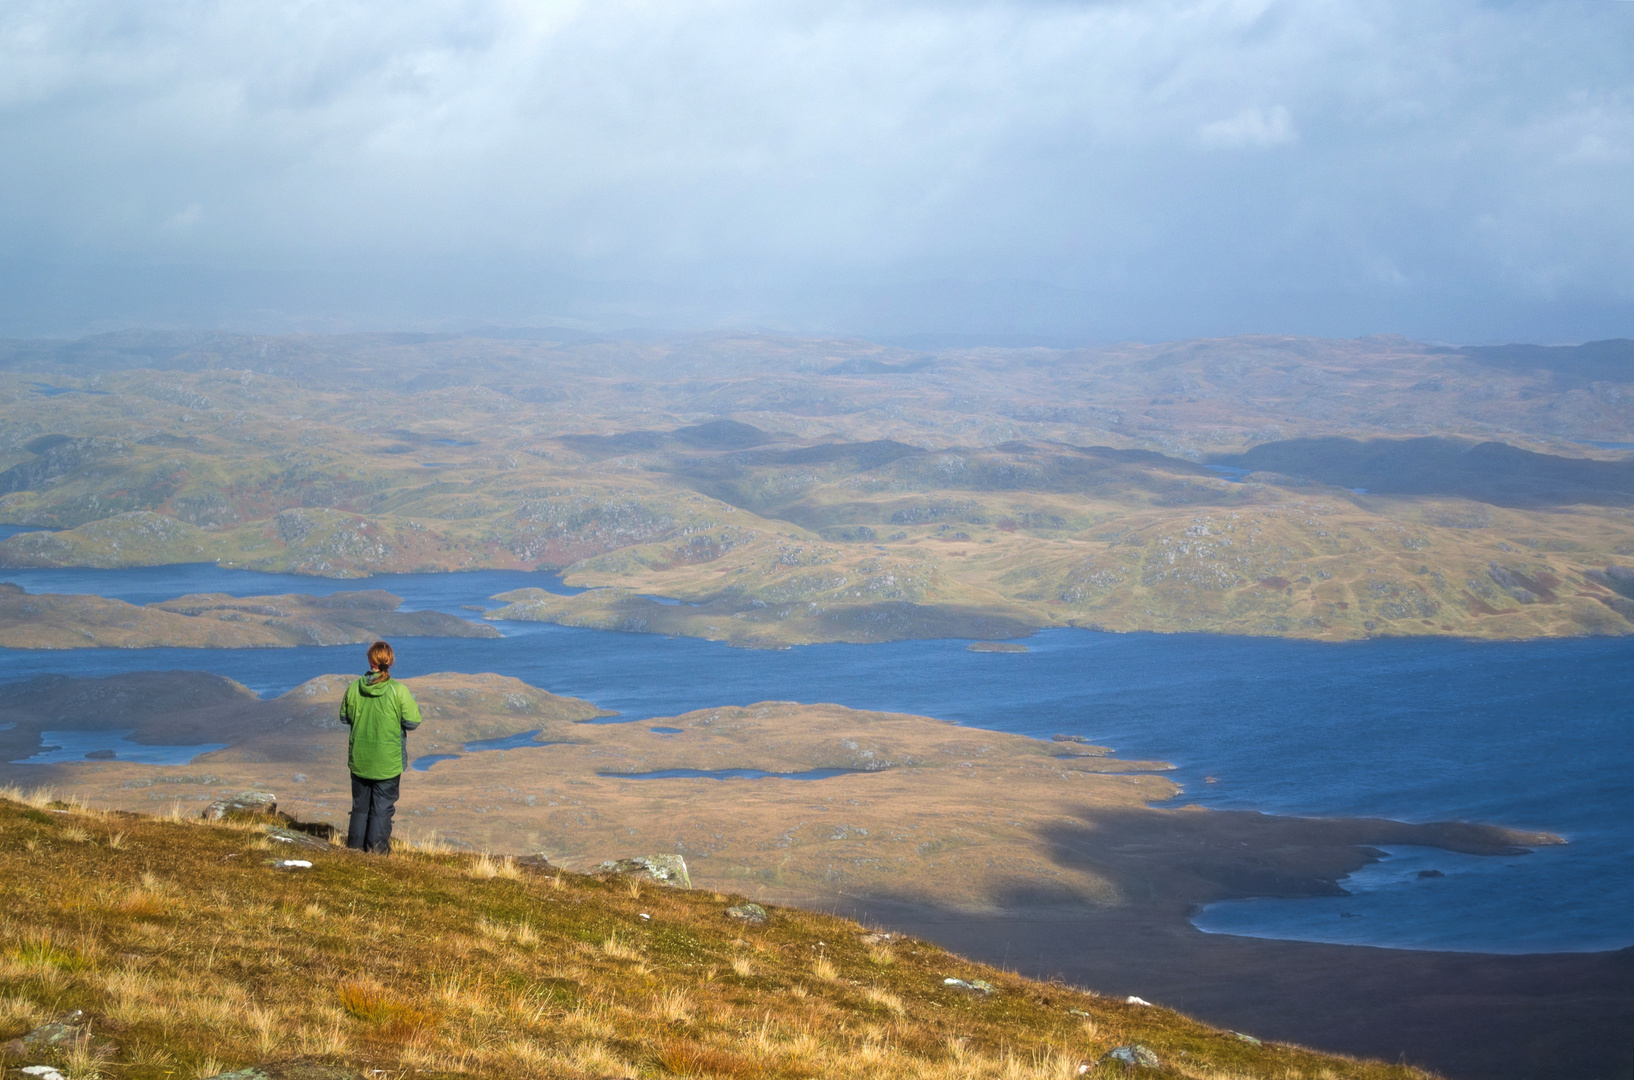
(381, 657)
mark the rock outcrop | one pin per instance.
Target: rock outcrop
(663, 869)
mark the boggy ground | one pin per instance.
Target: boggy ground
(188, 948)
(1041, 855)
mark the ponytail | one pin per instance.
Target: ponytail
(381, 659)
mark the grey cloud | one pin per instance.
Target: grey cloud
(1452, 170)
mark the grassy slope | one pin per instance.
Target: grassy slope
(190, 952)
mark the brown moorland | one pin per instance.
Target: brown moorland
(794, 490)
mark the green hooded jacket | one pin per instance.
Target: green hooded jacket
(380, 714)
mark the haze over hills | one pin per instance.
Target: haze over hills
(793, 490)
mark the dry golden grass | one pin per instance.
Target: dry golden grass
(15, 1009)
(520, 933)
(674, 1006)
(35, 798)
(487, 866)
(884, 998)
(197, 956)
(142, 904)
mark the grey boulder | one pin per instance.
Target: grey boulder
(1133, 1054)
(252, 803)
(664, 869)
(749, 913)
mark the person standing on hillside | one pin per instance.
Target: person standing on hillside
(381, 712)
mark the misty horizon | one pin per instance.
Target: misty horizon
(1010, 173)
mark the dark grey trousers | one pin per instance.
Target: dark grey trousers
(373, 804)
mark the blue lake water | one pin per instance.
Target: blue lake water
(1535, 735)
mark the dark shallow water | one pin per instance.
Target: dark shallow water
(1534, 735)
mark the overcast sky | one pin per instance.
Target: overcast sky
(1085, 171)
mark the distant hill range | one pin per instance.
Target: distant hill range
(798, 489)
(1489, 472)
(1611, 360)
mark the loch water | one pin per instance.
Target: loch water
(1533, 734)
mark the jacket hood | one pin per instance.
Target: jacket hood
(372, 689)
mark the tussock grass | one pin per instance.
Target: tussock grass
(487, 866)
(884, 998)
(187, 948)
(34, 798)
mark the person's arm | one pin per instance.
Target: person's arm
(408, 710)
(346, 707)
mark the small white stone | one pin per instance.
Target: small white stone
(1133, 1000)
(44, 1072)
(295, 864)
